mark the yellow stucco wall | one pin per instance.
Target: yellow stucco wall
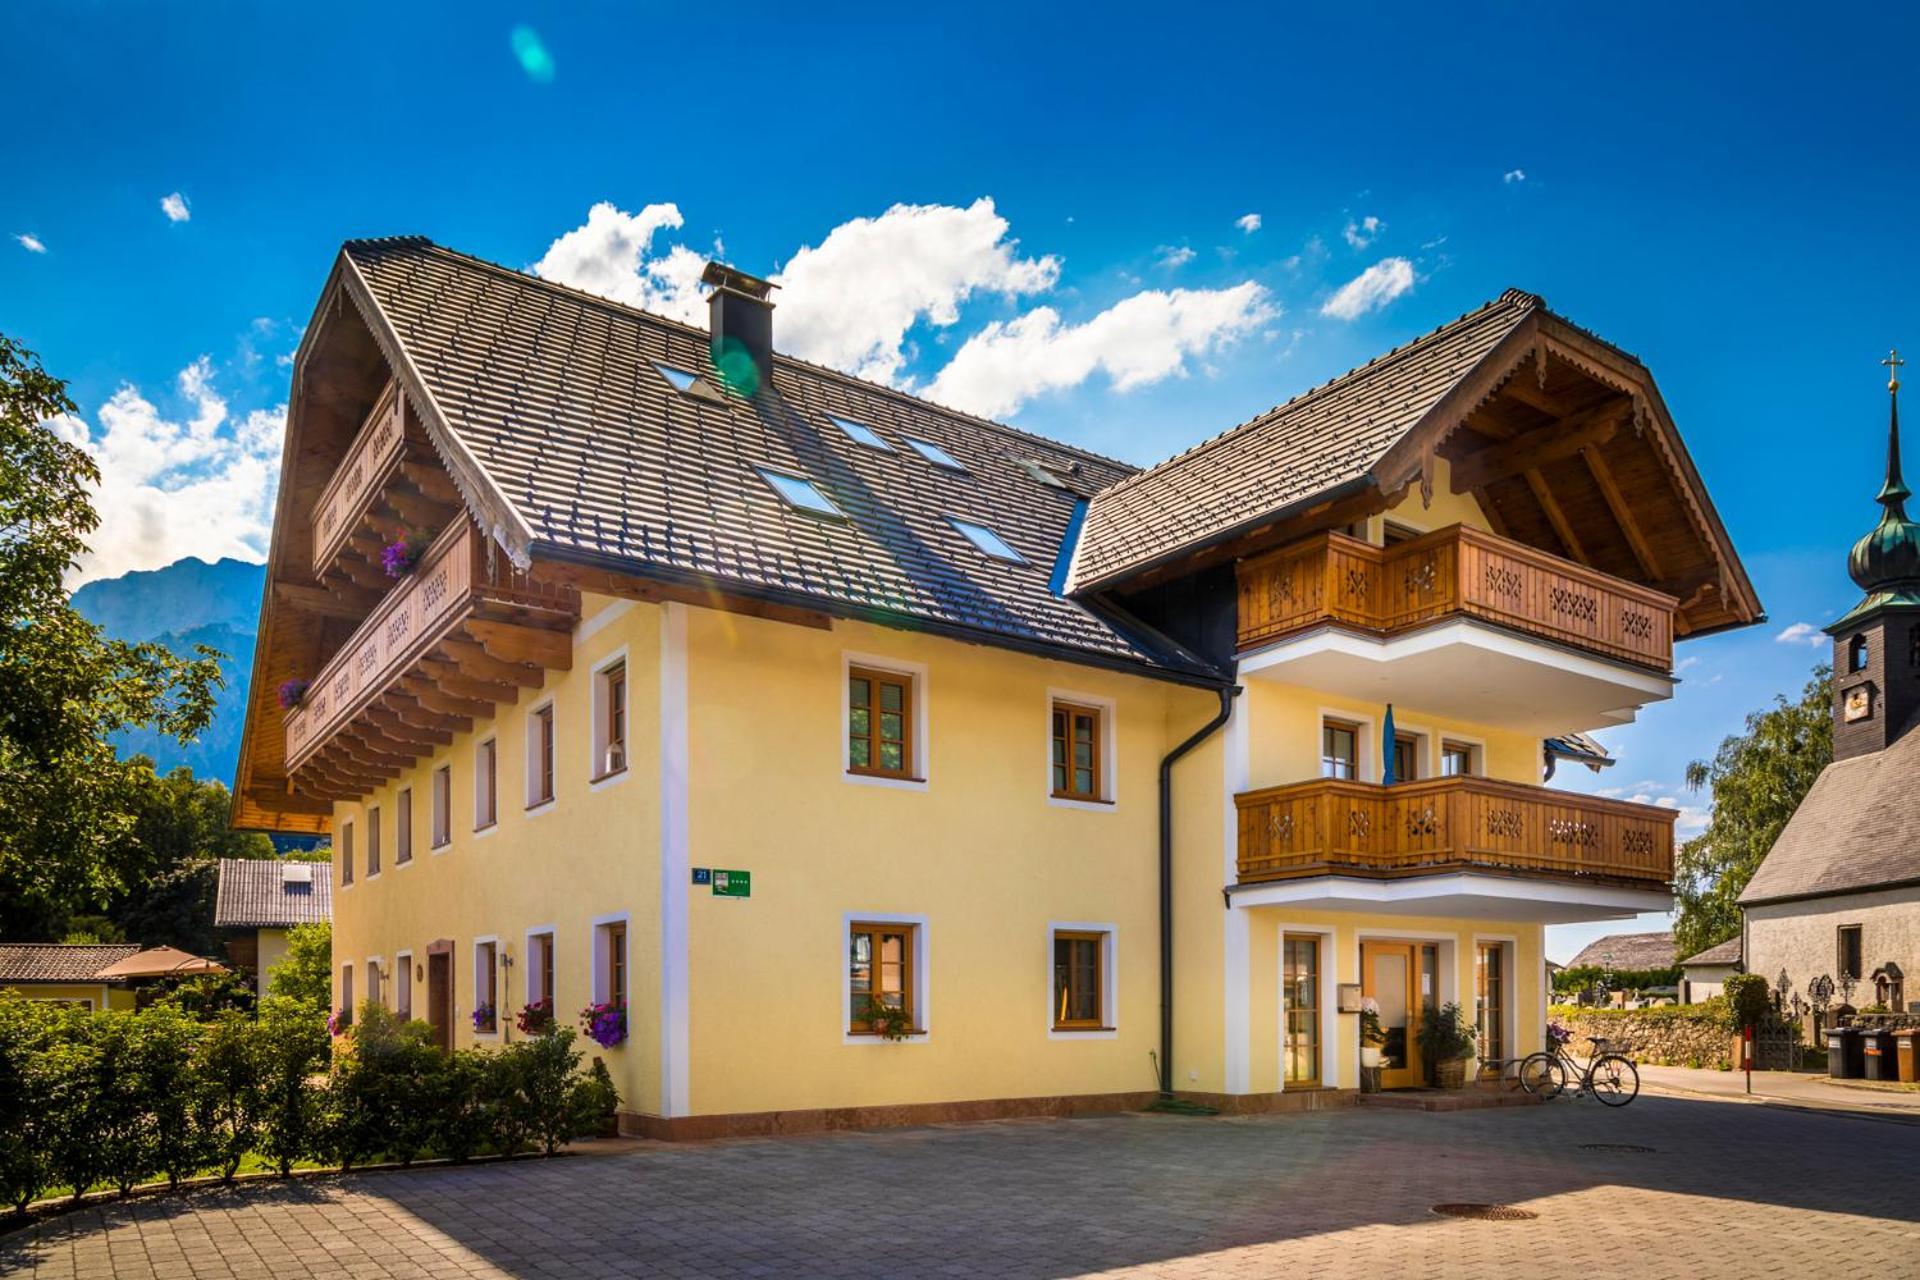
(98, 994)
(272, 944)
(1284, 736)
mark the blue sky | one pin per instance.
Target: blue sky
(1721, 192)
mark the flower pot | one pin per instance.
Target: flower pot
(1370, 1055)
(1451, 1073)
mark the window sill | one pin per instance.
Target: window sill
(857, 1036)
(440, 848)
(403, 862)
(539, 807)
(608, 776)
(1085, 806)
(481, 833)
(893, 781)
(1080, 1028)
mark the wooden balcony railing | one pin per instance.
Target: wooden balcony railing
(376, 450)
(1452, 571)
(450, 588)
(1412, 828)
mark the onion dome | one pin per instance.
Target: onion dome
(1886, 563)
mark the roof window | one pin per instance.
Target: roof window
(860, 433)
(986, 540)
(800, 494)
(935, 454)
(680, 379)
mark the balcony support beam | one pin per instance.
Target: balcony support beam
(1541, 447)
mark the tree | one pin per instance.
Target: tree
(1757, 780)
(305, 973)
(170, 860)
(65, 795)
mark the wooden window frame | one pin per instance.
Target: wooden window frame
(403, 984)
(486, 784)
(542, 786)
(373, 841)
(1316, 1012)
(910, 961)
(490, 949)
(1102, 942)
(909, 684)
(1352, 727)
(346, 854)
(440, 802)
(611, 721)
(1071, 708)
(540, 942)
(346, 992)
(1490, 999)
(1455, 746)
(403, 827)
(1412, 742)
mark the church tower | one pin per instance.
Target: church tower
(1876, 646)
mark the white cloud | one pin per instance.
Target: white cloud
(1372, 289)
(1801, 633)
(1173, 256)
(175, 207)
(197, 483)
(610, 255)
(1248, 222)
(1139, 340)
(1364, 232)
(1512, 176)
(31, 243)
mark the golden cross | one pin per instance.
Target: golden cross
(1893, 363)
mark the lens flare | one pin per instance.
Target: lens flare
(734, 363)
(533, 56)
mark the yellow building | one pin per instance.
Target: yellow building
(66, 972)
(883, 763)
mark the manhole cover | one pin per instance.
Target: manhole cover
(1485, 1212)
(1619, 1148)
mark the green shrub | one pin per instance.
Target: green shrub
(176, 1133)
(595, 1101)
(229, 1081)
(1574, 981)
(25, 1169)
(462, 1117)
(292, 1044)
(546, 1074)
(305, 973)
(383, 1088)
(1749, 998)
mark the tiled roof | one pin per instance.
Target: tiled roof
(1857, 829)
(1628, 951)
(1727, 952)
(555, 395)
(59, 961)
(1330, 435)
(267, 893)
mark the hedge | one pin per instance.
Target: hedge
(1574, 981)
(1713, 1013)
(119, 1098)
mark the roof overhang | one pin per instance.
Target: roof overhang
(1466, 895)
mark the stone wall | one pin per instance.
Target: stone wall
(1684, 1035)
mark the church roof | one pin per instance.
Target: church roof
(1727, 952)
(1627, 951)
(1858, 829)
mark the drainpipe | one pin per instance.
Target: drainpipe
(1227, 695)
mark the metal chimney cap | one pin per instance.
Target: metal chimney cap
(722, 276)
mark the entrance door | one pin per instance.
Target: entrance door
(1389, 974)
(440, 997)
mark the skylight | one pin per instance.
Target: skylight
(989, 542)
(800, 494)
(935, 454)
(860, 433)
(680, 378)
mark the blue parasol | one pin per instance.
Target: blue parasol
(1388, 765)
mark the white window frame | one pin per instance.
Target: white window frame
(917, 674)
(1109, 752)
(1366, 746)
(440, 809)
(490, 779)
(499, 1014)
(535, 805)
(602, 722)
(343, 847)
(1329, 998)
(373, 843)
(376, 976)
(530, 952)
(1476, 751)
(346, 989)
(1426, 757)
(922, 968)
(1509, 972)
(403, 974)
(599, 954)
(403, 826)
(1109, 1028)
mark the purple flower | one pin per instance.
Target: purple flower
(338, 1021)
(605, 1024)
(291, 692)
(483, 1017)
(402, 555)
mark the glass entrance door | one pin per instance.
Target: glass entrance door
(1389, 975)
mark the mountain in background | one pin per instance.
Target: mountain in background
(188, 603)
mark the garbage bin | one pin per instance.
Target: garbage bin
(1876, 1046)
(1906, 1054)
(1844, 1057)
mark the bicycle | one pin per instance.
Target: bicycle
(1609, 1076)
(1513, 1073)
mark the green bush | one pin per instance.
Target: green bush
(230, 1087)
(25, 1168)
(464, 1122)
(1749, 997)
(1574, 981)
(594, 1101)
(175, 1136)
(292, 1044)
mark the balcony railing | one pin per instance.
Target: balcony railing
(376, 450)
(1449, 824)
(449, 586)
(1454, 571)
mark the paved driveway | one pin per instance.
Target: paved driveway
(1728, 1190)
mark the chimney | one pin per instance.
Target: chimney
(740, 325)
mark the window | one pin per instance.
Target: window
(486, 988)
(442, 806)
(1406, 757)
(879, 723)
(403, 986)
(1850, 949)
(861, 433)
(346, 993)
(540, 756)
(1393, 535)
(1079, 981)
(1340, 750)
(373, 982)
(540, 968)
(403, 827)
(610, 720)
(986, 541)
(1456, 760)
(486, 800)
(1300, 982)
(678, 379)
(1490, 1000)
(935, 454)
(610, 962)
(800, 494)
(1857, 654)
(346, 853)
(373, 842)
(879, 972)
(1076, 753)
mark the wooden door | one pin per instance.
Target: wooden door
(1390, 974)
(440, 998)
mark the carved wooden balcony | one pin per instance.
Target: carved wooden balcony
(388, 482)
(1328, 827)
(1452, 572)
(450, 641)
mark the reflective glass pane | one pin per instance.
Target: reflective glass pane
(857, 692)
(890, 697)
(891, 756)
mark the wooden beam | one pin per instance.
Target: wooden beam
(1539, 448)
(1557, 518)
(418, 512)
(442, 702)
(476, 662)
(447, 675)
(624, 586)
(431, 481)
(1488, 425)
(340, 602)
(1526, 393)
(289, 802)
(394, 729)
(550, 649)
(1622, 513)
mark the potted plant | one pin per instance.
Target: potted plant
(1448, 1039)
(1373, 1035)
(605, 1023)
(483, 1015)
(888, 1021)
(400, 556)
(292, 692)
(536, 1018)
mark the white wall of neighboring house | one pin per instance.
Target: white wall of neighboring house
(1702, 982)
(1802, 938)
(273, 949)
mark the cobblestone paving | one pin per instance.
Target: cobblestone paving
(1729, 1190)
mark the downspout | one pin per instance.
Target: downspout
(1227, 695)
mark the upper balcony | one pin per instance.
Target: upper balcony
(1461, 623)
(1456, 846)
(388, 475)
(449, 642)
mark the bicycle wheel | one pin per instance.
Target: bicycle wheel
(1614, 1080)
(1543, 1073)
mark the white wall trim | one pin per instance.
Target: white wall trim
(499, 1014)
(675, 1092)
(1109, 710)
(1509, 989)
(371, 966)
(1591, 902)
(403, 963)
(600, 621)
(1366, 747)
(597, 718)
(922, 967)
(1109, 1028)
(922, 765)
(1236, 924)
(526, 964)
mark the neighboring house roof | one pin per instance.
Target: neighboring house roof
(1315, 442)
(1857, 829)
(272, 893)
(1581, 748)
(549, 410)
(60, 961)
(1727, 952)
(1627, 951)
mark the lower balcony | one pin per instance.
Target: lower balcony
(458, 636)
(1454, 846)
